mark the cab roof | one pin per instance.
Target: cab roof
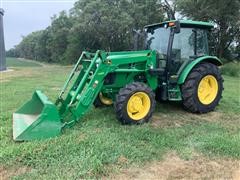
(186, 23)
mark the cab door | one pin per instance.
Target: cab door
(187, 45)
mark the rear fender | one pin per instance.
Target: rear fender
(210, 59)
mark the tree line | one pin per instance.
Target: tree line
(111, 25)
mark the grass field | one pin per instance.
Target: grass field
(177, 142)
(14, 62)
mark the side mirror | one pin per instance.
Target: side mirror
(177, 28)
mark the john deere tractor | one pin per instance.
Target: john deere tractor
(176, 66)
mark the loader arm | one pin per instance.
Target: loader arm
(86, 87)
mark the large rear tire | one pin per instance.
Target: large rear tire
(135, 103)
(202, 90)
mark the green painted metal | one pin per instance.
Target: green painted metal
(185, 23)
(175, 94)
(196, 23)
(186, 70)
(39, 118)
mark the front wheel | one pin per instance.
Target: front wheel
(202, 90)
(135, 103)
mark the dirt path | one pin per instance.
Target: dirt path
(6, 174)
(173, 167)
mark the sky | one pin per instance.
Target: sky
(25, 16)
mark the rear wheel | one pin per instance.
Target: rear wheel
(135, 103)
(202, 90)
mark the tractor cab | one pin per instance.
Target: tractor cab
(177, 42)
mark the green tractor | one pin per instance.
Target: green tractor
(176, 66)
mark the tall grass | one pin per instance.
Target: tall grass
(231, 69)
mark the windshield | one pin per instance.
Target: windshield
(157, 39)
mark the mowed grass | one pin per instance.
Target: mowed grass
(99, 145)
(15, 62)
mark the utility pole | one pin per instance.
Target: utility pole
(2, 44)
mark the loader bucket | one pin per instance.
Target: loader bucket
(37, 119)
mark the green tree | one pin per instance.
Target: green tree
(57, 37)
(40, 50)
(109, 24)
(28, 44)
(12, 52)
(99, 24)
(224, 13)
(32, 46)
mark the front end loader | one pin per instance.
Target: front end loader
(175, 66)
(39, 118)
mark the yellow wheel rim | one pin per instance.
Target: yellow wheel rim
(105, 100)
(138, 106)
(207, 89)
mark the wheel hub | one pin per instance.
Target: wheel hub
(207, 89)
(138, 105)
